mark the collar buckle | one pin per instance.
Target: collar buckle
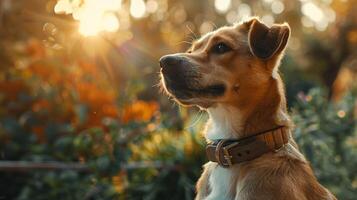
(226, 160)
(279, 148)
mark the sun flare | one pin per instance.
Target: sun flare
(94, 16)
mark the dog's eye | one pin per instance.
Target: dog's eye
(220, 48)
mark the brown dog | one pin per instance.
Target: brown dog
(233, 74)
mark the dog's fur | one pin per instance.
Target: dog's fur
(233, 74)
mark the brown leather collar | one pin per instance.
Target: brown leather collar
(228, 152)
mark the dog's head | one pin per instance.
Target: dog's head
(231, 64)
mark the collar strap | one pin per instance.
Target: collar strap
(228, 152)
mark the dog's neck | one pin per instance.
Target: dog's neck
(231, 122)
(224, 123)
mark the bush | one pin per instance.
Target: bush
(326, 133)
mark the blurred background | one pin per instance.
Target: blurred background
(81, 116)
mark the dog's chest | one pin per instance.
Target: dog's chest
(220, 182)
(224, 124)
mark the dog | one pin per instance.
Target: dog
(232, 73)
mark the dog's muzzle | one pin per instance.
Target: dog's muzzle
(183, 80)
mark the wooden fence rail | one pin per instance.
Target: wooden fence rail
(24, 166)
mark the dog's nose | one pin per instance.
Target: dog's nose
(169, 61)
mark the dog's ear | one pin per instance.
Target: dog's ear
(265, 42)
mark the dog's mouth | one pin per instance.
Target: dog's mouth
(212, 90)
(190, 89)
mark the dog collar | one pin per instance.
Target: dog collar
(227, 152)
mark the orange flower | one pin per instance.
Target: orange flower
(110, 110)
(139, 111)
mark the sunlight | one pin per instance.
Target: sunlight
(244, 11)
(94, 16)
(152, 6)
(222, 6)
(316, 15)
(268, 19)
(110, 22)
(137, 8)
(64, 7)
(312, 11)
(90, 25)
(277, 7)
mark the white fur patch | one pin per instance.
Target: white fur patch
(224, 123)
(220, 182)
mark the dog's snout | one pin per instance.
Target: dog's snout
(169, 61)
(172, 65)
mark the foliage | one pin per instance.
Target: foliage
(182, 152)
(68, 114)
(327, 134)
